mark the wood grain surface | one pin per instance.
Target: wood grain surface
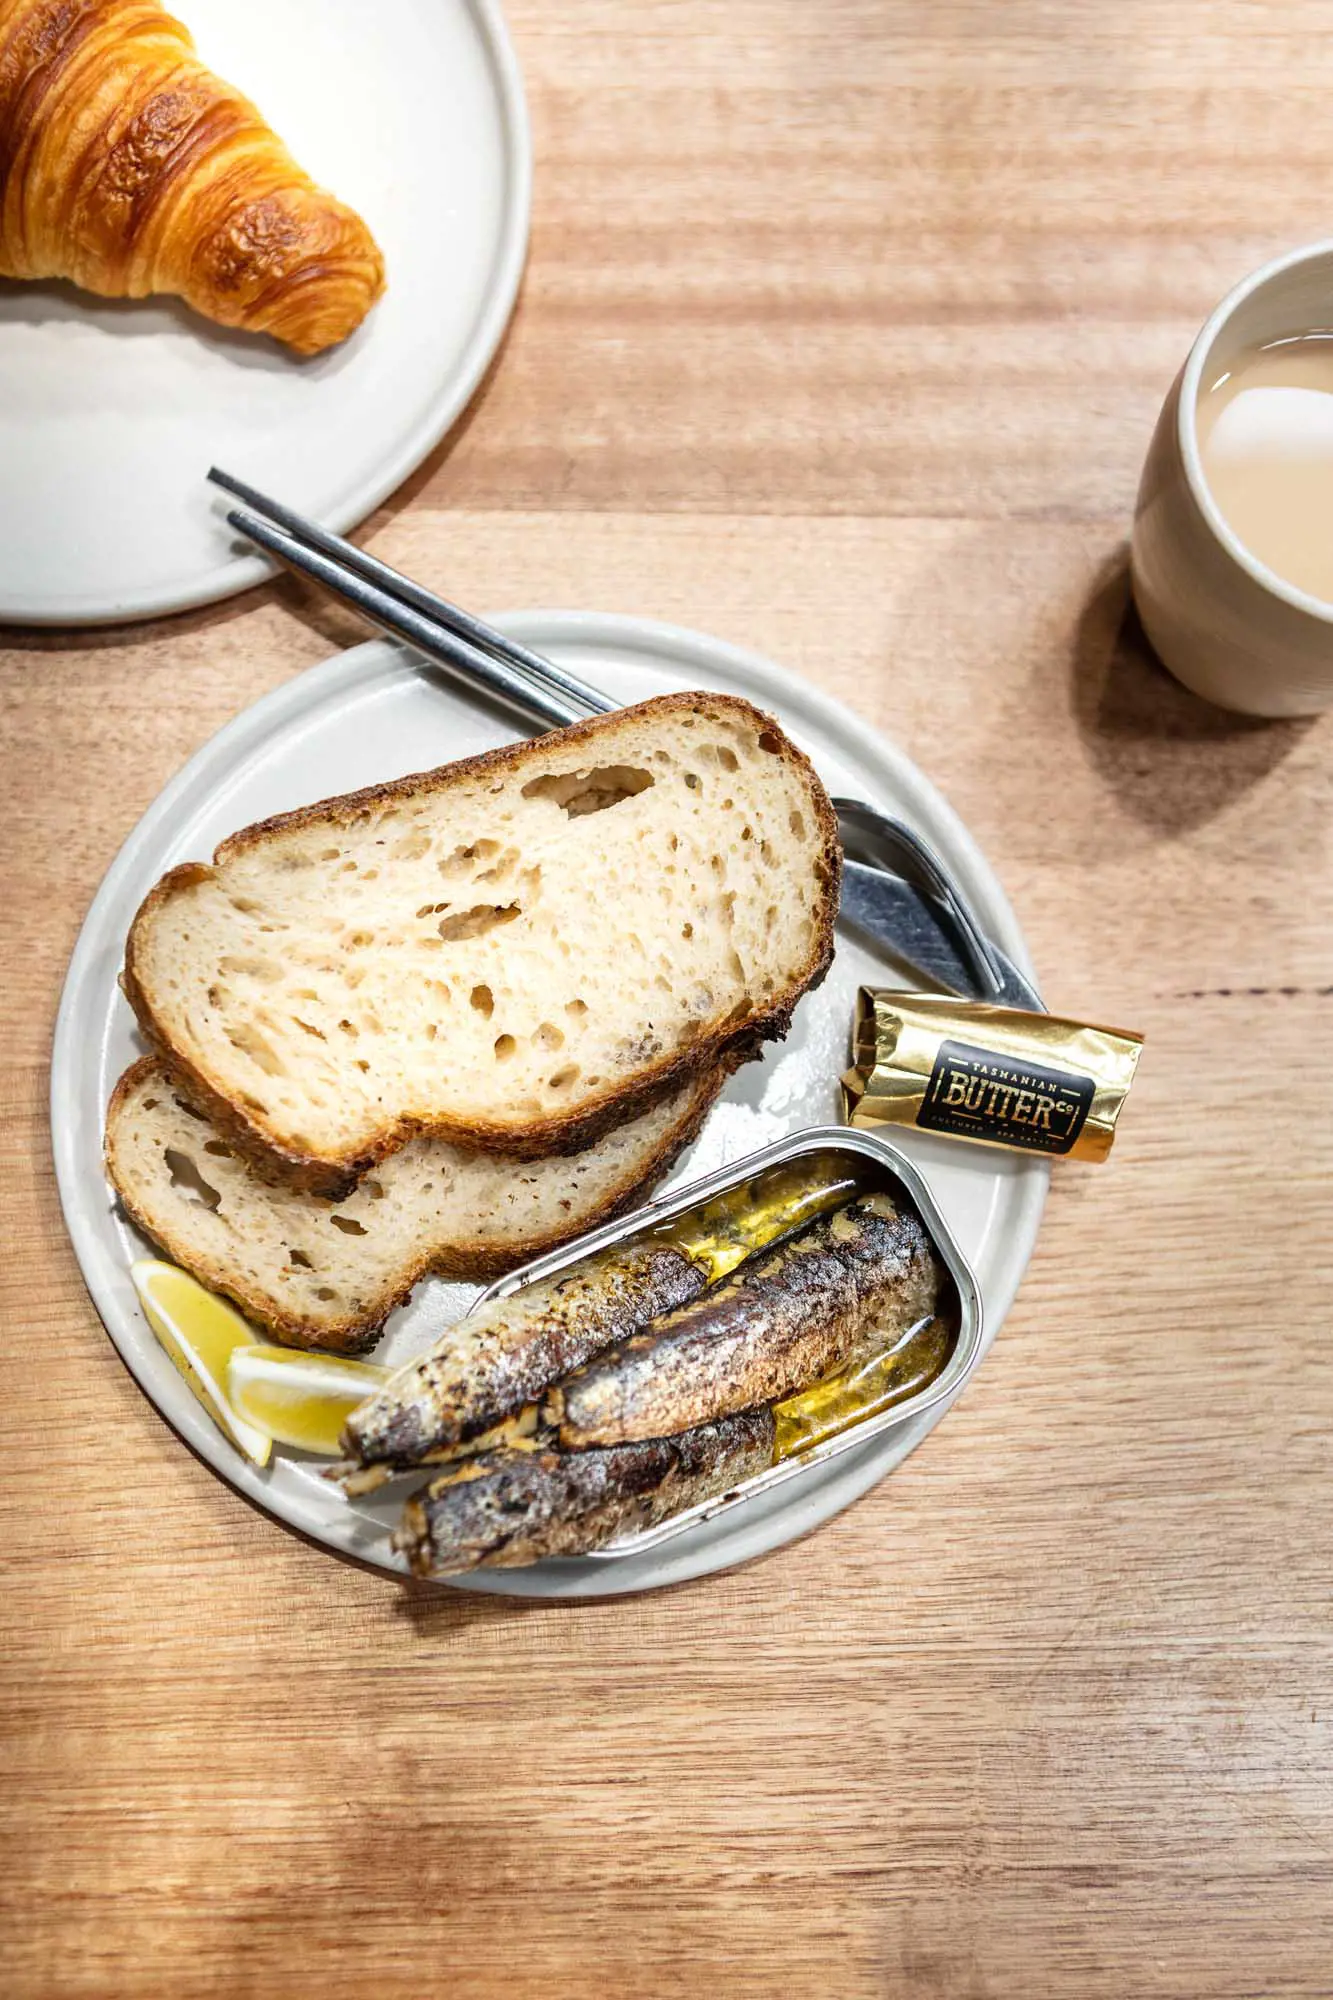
(843, 335)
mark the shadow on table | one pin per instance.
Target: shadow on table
(437, 1613)
(434, 462)
(1174, 759)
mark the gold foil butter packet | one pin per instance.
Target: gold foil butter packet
(995, 1075)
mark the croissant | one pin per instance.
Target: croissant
(129, 167)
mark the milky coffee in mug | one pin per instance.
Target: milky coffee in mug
(1232, 555)
(1265, 431)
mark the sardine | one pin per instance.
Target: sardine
(845, 1284)
(484, 1370)
(487, 1367)
(507, 1508)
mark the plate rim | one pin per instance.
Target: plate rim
(811, 1503)
(240, 573)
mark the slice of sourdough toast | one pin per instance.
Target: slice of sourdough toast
(324, 1274)
(514, 953)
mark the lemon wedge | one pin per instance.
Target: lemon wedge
(297, 1398)
(200, 1333)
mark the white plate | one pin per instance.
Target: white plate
(112, 412)
(376, 713)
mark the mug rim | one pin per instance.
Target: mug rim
(1187, 432)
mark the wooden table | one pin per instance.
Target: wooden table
(843, 335)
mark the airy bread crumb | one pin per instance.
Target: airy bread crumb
(514, 953)
(327, 1274)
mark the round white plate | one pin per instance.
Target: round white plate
(375, 713)
(112, 412)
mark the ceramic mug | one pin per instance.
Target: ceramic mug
(1225, 624)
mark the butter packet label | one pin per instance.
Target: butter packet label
(998, 1076)
(978, 1095)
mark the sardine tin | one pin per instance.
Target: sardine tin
(858, 1147)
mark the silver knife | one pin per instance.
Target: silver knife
(909, 925)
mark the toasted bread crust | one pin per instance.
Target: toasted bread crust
(565, 1132)
(474, 1262)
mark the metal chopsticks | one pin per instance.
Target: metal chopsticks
(464, 645)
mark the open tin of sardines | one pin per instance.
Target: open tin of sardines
(751, 1208)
